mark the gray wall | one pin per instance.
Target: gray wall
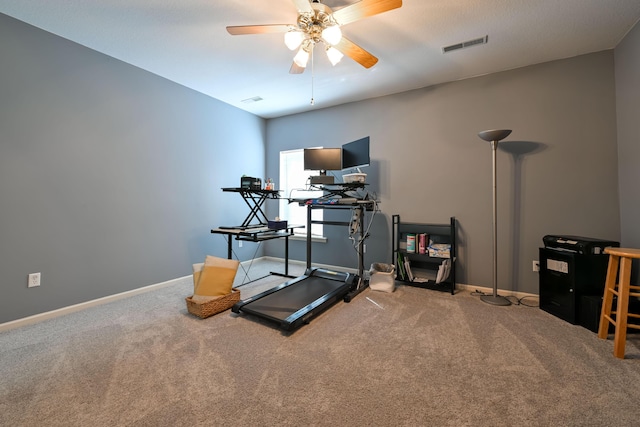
(557, 174)
(110, 176)
(627, 60)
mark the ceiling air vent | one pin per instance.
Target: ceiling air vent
(481, 40)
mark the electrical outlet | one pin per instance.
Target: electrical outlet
(536, 265)
(239, 243)
(34, 280)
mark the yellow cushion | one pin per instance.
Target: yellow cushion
(197, 268)
(216, 277)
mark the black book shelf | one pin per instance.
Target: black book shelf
(421, 269)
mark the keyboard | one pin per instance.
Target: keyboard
(322, 202)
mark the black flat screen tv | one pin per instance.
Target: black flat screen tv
(356, 154)
(323, 159)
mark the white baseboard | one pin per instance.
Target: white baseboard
(40, 317)
(469, 288)
(461, 286)
(489, 291)
(314, 264)
(84, 305)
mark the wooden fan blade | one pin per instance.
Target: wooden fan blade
(356, 53)
(363, 9)
(296, 69)
(258, 29)
(303, 6)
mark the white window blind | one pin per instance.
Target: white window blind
(293, 182)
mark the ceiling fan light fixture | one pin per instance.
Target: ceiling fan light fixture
(318, 23)
(334, 55)
(293, 39)
(301, 58)
(332, 34)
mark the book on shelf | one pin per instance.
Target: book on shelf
(407, 268)
(400, 266)
(443, 271)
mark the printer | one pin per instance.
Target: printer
(577, 244)
(572, 274)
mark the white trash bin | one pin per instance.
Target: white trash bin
(382, 277)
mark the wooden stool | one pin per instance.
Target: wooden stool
(622, 257)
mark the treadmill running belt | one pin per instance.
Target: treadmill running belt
(297, 300)
(287, 301)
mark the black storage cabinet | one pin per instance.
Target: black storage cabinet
(566, 278)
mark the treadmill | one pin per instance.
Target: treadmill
(296, 301)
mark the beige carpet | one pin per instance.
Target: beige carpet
(411, 358)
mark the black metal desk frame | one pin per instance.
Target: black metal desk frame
(256, 232)
(341, 190)
(296, 301)
(254, 198)
(257, 236)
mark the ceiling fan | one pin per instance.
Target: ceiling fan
(318, 23)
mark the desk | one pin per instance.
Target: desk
(297, 301)
(248, 232)
(254, 199)
(341, 196)
(360, 207)
(356, 224)
(259, 235)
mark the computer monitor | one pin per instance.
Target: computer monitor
(323, 159)
(356, 154)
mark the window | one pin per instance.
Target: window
(293, 183)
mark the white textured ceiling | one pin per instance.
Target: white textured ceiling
(186, 41)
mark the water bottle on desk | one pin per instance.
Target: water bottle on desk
(269, 185)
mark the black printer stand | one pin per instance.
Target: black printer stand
(566, 277)
(572, 268)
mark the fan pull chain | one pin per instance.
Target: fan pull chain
(313, 101)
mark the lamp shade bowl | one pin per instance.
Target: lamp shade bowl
(494, 135)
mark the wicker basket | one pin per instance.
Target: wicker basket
(209, 308)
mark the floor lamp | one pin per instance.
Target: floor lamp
(494, 136)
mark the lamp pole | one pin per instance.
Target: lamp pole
(494, 136)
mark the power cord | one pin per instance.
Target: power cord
(512, 299)
(246, 270)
